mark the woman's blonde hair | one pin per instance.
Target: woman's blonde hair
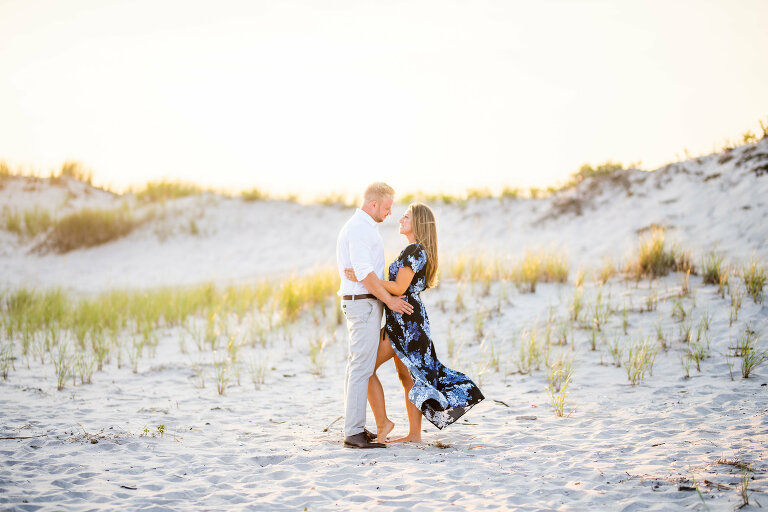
(425, 230)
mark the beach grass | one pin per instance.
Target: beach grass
(258, 369)
(253, 194)
(88, 228)
(164, 190)
(755, 276)
(317, 346)
(639, 361)
(549, 266)
(222, 366)
(532, 352)
(654, 257)
(751, 356)
(62, 363)
(607, 271)
(712, 269)
(559, 375)
(126, 323)
(6, 359)
(600, 310)
(577, 304)
(28, 223)
(616, 350)
(697, 352)
(735, 295)
(535, 266)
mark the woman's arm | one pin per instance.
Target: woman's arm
(396, 287)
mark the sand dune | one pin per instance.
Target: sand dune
(156, 439)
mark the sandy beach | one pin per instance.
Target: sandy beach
(163, 437)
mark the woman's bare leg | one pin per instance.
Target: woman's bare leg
(376, 393)
(414, 414)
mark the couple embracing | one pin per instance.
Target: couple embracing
(438, 393)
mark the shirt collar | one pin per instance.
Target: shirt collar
(365, 216)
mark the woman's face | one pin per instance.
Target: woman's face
(406, 227)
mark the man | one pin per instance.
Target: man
(361, 248)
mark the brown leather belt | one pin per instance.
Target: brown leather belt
(358, 297)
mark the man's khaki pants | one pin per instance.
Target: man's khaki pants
(364, 325)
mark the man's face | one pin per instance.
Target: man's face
(382, 209)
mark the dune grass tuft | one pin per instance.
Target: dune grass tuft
(253, 194)
(640, 358)
(125, 323)
(712, 268)
(6, 360)
(751, 356)
(165, 190)
(76, 171)
(754, 276)
(559, 376)
(654, 258)
(534, 267)
(28, 223)
(539, 266)
(88, 228)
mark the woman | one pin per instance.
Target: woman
(442, 395)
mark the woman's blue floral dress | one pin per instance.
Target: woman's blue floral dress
(442, 394)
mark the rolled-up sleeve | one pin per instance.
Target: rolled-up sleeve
(360, 247)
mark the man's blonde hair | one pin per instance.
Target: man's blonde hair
(377, 191)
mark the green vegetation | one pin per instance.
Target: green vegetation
(165, 190)
(712, 268)
(28, 223)
(253, 194)
(539, 266)
(754, 276)
(654, 258)
(76, 171)
(640, 358)
(337, 199)
(124, 323)
(12, 221)
(559, 376)
(534, 267)
(751, 356)
(87, 228)
(587, 171)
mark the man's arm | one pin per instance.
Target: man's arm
(374, 285)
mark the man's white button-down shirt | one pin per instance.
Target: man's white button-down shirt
(361, 248)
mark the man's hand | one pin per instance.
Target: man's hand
(399, 305)
(374, 285)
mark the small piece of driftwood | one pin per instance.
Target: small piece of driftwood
(331, 423)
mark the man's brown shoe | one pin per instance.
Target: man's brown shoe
(361, 441)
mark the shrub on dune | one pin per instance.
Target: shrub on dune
(253, 194)
(540, 266)
(37, 221)
(711, 268)
(164, 190)
(654, 258)
(755, 277)
(88, 228)
(12, 221)
(76, 171)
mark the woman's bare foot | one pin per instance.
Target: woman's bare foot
(383, 432)
(410, 438)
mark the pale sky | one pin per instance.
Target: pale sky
(313, 97)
